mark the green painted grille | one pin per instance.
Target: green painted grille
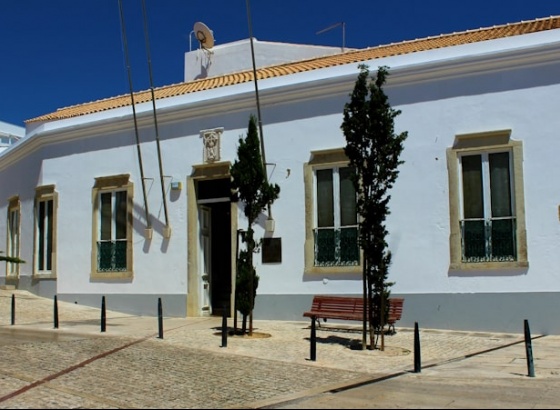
(336, 247)
(489, 240)
(111, 256)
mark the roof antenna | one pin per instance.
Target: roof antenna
(343, 24)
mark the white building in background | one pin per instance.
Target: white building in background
(9, 135)
(474, 225)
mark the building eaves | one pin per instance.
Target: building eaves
(349, 57)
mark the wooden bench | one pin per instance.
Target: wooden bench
(349, 308)
(395, 312)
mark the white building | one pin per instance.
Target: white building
(9, 135)
(90, 215)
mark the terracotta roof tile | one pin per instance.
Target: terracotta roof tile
(405, 47)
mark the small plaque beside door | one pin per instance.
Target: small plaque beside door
(272, 250)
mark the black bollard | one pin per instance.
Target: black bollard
(529, 350)
(13, 309)
(224, 328)
(160, 319)
(55, 313)
(417, 360)
(313, 341)
(103, 314)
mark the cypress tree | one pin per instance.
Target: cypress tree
(373, 149)
(248, 178)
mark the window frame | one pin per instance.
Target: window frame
(323, 159)
(479, 143)
(14, 208)
(103, 185)
(45, 194)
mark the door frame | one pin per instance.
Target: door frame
(204, 172)
(205, 260)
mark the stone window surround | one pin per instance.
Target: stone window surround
(480, 142)
(321, 159)
(45, 192)
(14, 204)
(105, 184)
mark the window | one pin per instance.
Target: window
(111, 246)
(13, 236)
(112, 220)
(488, 223)
(336, 231)
(6, 141)
(331, 215)
(45, 231)
(487, 206)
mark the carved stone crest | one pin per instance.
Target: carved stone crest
(211, 141)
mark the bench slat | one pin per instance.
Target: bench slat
(349, 308)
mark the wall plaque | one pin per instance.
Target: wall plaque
(272, 250)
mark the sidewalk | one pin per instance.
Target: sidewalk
(284, 347)
(496, 379)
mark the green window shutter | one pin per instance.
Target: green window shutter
(348, 213)
(500, 185)
(112, 244)
(120, 215)
(325, 198)
(106, 216)
(473, 199)
(45, 235)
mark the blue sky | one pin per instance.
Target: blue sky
(58, 53)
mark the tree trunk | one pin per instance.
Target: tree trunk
(371, 324)
(244, 325)
(382, 319)
(366, 306)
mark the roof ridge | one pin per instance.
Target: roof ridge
(467, 31)
(277, 70)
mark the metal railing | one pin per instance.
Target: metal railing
(336, 246)
(489, 240)
(111, 256)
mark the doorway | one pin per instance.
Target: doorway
(215, 246)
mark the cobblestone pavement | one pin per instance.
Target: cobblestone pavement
(130, 366)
